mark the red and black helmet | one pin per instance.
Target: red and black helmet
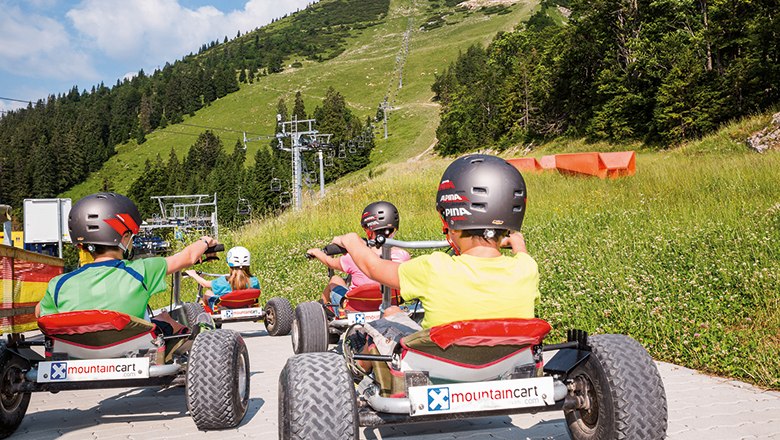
(103, 219)
(479, 191)
(380, 217)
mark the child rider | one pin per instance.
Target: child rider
(378, 218)
(481, 200)
(104, 224)
(240, 277)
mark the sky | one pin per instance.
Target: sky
(49, 46)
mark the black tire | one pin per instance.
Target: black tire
(192, 311)
(626, 393)
(218, 380)
(334, 338)
(317, 399)
(278, 316)
(310, 328)
(13, 406)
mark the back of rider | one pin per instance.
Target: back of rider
(118, 285)
(457, 288)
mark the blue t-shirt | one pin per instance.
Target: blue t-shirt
(221, 286)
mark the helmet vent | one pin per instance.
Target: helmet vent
(479, 207)
(517, 209)
(478, 160)
(520, 194)
(479, 190)
(92, 227)
(92, 216)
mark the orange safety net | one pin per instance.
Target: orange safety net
(601, 165)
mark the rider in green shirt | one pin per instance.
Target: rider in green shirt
(104, 224)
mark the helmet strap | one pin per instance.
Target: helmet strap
(445, 229)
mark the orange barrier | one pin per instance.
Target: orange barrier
(619, 164)
(525, 164)
(548, 162)
(601, 165)
(581, 163)
(24, 276)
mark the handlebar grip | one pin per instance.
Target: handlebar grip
(216, 248)
(334, 249)
(308, 256)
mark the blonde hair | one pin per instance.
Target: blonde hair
(239, 278)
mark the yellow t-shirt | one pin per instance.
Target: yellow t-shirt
(457, 288)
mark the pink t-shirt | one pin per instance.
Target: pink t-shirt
(358, 277)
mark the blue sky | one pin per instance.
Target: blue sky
(48, 46)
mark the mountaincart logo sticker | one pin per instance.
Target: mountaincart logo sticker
(481, 396)
(94, 369)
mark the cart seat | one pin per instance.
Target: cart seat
(367, 298)
(93, 334)
(475, 350)
(238, 299)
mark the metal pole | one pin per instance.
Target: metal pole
(322, 176)
(384, 112)
(59, 226)
(298, 177)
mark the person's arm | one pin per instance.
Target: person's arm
(333, 263)
(38, 310)
(199, 279)
(189, 255)
(379, 270)
(516, 241)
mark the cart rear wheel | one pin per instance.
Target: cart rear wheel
(218, 380)
(278, 317)
(317, 399)
(13, 406)
(310, 328)
(623, 390)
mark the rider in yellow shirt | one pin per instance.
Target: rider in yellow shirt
(481, 201)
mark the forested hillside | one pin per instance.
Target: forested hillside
(54, 144)
(654, 71)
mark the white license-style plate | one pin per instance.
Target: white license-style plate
(362, 317)
(481, 396)
(93, 369)
(254, 312)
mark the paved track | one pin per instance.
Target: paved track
(700, 407)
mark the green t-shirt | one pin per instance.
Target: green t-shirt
(458, 288)
(119, 285)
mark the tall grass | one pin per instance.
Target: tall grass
(683, 256)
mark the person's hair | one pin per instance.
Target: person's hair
(497, 234)
(239, 278)
(99, 249)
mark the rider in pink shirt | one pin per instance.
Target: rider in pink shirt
(377, 218)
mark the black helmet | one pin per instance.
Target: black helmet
(380, 216)
(481, 192)
(103, 219)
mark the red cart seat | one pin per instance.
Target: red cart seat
(238, 299)
(368, 298)
(475, 350)
(93, 334)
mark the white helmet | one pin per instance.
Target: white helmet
(238, 257)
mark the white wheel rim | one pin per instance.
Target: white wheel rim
(242, 391)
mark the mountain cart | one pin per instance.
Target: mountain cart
(606, 385)
(95, 349)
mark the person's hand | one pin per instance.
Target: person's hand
(346, 240)
(392, 310)
(316, 253)
(516, 241)
(209, 241)
(191, 273)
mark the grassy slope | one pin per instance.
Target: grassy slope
(362, 74)
(683, 256)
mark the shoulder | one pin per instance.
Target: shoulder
(149, 265)
(220, 281)
(525, 259)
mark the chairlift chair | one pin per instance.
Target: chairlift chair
(342, 153)
(352, 148)
(328, 161)
(284, 198)
(243, 207)
(276, 184)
